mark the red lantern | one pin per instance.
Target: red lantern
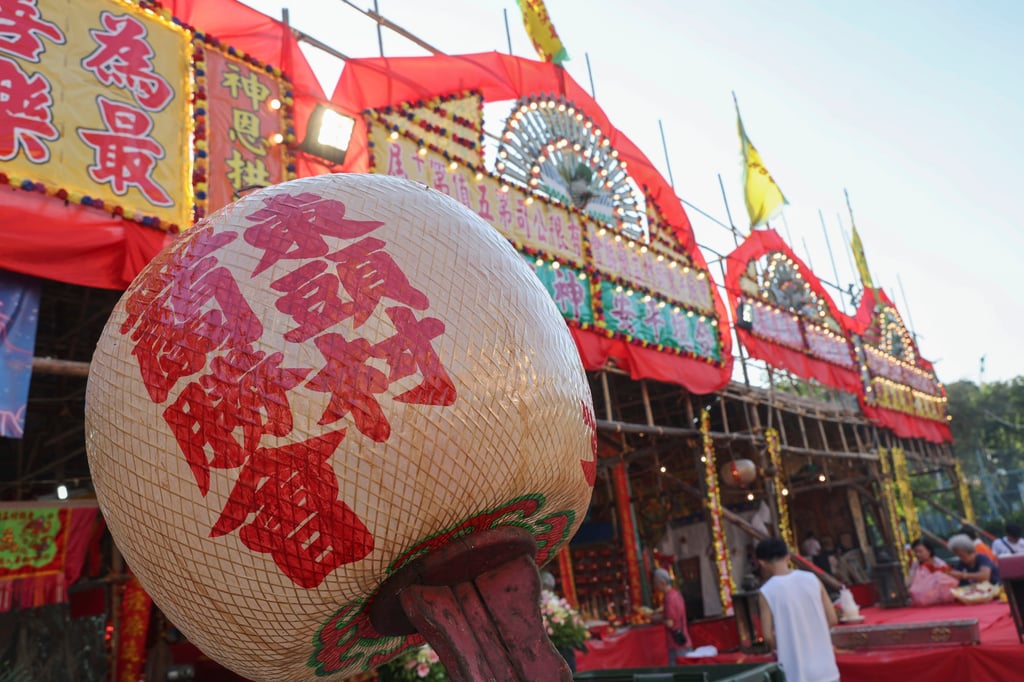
(738, 473)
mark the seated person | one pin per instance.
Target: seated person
(1011, 543)
(979, 545)
(971, 566)
(851, 568)
(810, 547)
(825, 558)
(929, 582)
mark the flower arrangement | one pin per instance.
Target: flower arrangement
(421, 664)
(563, 624)
(416, 664)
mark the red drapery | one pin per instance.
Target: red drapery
(864, 323)
(644, 363)
(50, 586)
(380, 82)
(760, 243)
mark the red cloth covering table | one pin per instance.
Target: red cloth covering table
(640, 646)
(999, 657)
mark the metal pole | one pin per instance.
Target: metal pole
(590, 75)
(906, 305)
(380, 35)
(664, 148)
(728, 212)
(831, 256)
(807, 250)
(508, 33)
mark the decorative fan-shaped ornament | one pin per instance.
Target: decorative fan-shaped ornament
(555, 149)
(783, 284)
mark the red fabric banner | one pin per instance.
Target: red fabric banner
(72, 243)
(566, 575)
(131, 637)
(42, 548)
(387, 81)
(381, 82)
(624, 505)
(866, 325)
(798, 361)
(646, 363)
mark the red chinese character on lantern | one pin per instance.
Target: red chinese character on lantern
(193, 307)
(26, 120)
(311, 299)
(287, 499)
(245, 391)
(294, 226)
(354, 384)
(22, 29)
(410, 351)
(124, 59)
(125, 156)
(369, 274)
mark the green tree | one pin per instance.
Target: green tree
(988, 439)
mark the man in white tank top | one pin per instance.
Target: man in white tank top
(796, 616)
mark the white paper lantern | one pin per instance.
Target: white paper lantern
(314, 386)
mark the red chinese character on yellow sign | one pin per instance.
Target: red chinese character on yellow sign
(22, 29)
(25, 116)
(124, 59)
(125, 156)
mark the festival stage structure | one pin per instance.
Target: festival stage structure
(729, 402)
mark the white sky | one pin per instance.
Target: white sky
(913, 106)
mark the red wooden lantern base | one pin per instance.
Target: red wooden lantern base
(477, 601)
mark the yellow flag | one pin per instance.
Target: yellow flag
(763, 197)
(862, 262)
(541, 31)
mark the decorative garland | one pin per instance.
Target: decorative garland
(726, 584)
(889, 499)
(771, 436)
(906, 493)
(965, 493)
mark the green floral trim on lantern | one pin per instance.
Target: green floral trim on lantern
(549, 531)
(348, 639)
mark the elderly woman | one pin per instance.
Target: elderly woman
(677, 636)
(971, 567)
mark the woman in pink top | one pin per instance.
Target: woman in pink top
(677, 636)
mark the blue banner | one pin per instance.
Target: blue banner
(19, 316)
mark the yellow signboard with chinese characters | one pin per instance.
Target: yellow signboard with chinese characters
(531, 225)
(97, 96)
